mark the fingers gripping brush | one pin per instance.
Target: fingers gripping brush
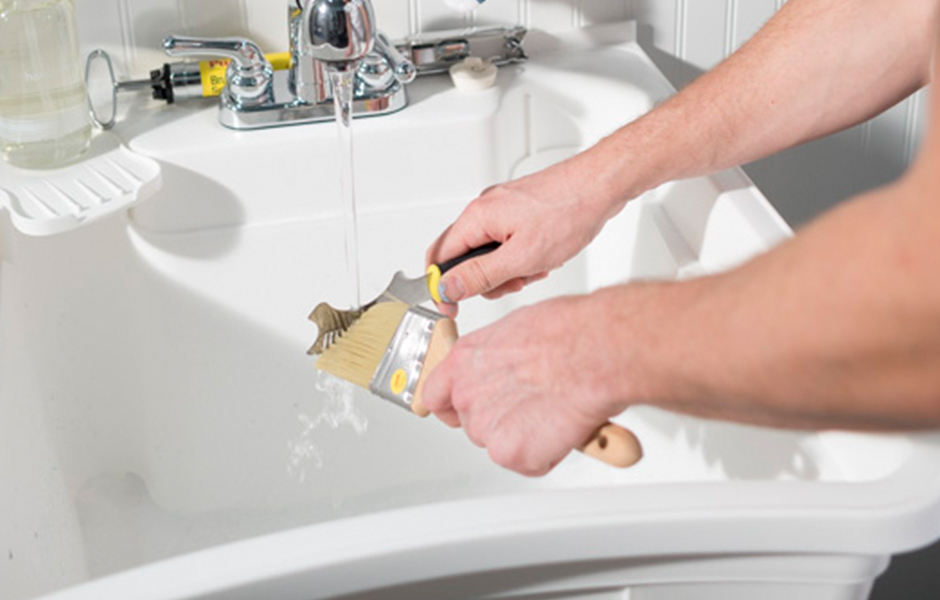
(392, 348)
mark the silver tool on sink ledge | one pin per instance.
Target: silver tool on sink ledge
(172, 82)
(337, 31)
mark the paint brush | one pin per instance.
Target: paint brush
(392, 348)
(333, 322)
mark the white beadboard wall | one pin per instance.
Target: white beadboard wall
(688, 37)
(131, 30)
(684, 37)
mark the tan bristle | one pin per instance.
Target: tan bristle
(356, 355)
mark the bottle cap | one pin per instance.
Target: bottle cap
(473, 73)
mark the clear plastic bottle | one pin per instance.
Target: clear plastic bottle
(43, 112)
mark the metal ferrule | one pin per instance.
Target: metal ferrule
(396, 377)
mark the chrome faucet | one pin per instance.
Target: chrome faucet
(324, 34)
(336, 34)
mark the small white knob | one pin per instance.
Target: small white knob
(473, 73)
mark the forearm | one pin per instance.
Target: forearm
(838, 328)
(817, 67)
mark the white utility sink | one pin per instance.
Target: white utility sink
(163, 434)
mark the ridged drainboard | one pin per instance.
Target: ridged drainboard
(111, 178)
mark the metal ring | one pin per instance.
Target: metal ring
(94, 55)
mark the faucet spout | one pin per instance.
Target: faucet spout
(339, 32)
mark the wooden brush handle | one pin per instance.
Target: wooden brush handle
(442, 340)
(611, 444)
(614, 445)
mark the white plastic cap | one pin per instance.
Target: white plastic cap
(473, 73)
(464, 5)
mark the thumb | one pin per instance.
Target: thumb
(474, 277)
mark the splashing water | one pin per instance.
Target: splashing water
(337, 408)
(340, 407)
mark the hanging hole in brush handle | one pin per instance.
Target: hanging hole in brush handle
(614, 445)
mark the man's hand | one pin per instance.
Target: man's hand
(541, 220)
(531, 387)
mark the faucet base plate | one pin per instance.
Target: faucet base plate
(285, 109)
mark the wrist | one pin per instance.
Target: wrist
(626, 164)
(662, 145)
(642, 333)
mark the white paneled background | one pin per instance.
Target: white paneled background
(684, 37)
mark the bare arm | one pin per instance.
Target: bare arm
(818, 66)
(839, 327)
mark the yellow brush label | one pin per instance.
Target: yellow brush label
(213, 72)
(398, 382)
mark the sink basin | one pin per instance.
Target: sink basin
(165, 436)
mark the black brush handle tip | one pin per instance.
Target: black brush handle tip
(480, 251)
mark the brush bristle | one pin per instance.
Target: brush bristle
(356, 355)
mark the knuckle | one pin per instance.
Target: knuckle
(514, 454)
(476, 210)
(461, 401)
(493, 190)
(472, 430)
(462, 406)
(506, 452)
(430, 401)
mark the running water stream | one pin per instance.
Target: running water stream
(342, 82)
(336, 394)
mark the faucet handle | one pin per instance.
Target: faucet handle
(402, 67)
(249, 74)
